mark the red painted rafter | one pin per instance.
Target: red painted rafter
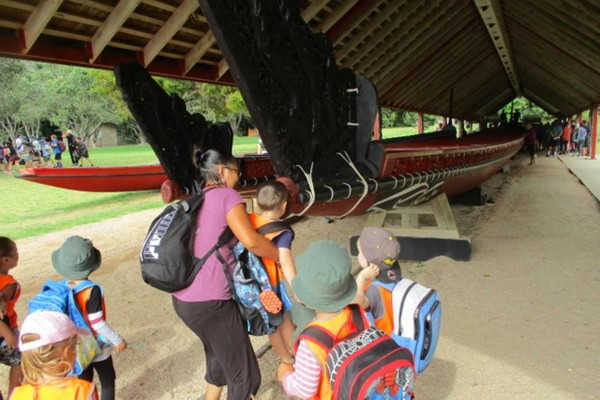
(78, 56)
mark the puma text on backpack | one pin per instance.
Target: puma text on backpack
(367, 364)
(167, 255)
(58, 296)
(417, 320)
(249, 280)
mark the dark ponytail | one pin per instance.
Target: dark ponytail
(206, 164)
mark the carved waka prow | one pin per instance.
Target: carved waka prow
(309, 112)
(170, 130)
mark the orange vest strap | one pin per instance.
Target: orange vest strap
(270, 229)
(325, 338)
(386, 321)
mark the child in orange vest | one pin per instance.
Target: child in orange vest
(378, 252)
(323, 284)
(10, 290)
(271, 198)
(48, 342)
(76, 259)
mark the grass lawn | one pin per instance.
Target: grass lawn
(31, 209)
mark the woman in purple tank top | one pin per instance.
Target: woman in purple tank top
(207, 306)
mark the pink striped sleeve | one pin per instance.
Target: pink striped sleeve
(304, 381)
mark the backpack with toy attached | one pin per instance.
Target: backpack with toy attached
(58, 296)
(367, 364)
(259, 304)
(417, 313)
(167, 255)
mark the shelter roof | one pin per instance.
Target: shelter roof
(486, 51)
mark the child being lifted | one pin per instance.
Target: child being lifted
(271, 198)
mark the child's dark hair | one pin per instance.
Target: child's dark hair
(207, 162)
(270, 195)
(6, 246)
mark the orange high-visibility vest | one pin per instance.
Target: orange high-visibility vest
(6, 280)
(275, 274)
(386, 321)
(339, 326)
(60, 389)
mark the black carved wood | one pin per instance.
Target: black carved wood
(296, 94)
(170, 129)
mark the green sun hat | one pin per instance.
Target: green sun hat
(324, 282)
(77, 258)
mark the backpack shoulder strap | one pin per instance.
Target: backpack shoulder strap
(317, 335)
(81, 286)
(388, 286)
(358, 317)
(326, 339)
(275, 226)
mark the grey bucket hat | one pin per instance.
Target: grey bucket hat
(77, 258)
(324, 282)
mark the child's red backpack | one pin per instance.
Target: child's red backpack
(61, 145)
(367, 364)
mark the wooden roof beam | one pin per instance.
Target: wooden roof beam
(313, 9)
(389, 48)
(569, 54)
(425, 50)
(168, 30)
(384, 39)
(351, 20)
(455, 74)
(335, 16)
(198, 51)
(540, 101)
(111, 26)
(37, 21)
(360, 37)
(222, 68)
(495, 103)
(491, 14)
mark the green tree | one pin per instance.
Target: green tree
(10, 72)
(525, 107)
(217, 103)
(106, 85)
(80, 102)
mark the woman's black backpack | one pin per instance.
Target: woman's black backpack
(167, 255)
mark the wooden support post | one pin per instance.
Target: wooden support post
(594, 129)
(420, 128)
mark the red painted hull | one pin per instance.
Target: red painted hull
(411, 172)
(415, 172)
(99, 179)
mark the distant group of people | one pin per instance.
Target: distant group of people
(558, 138)
(37, 151)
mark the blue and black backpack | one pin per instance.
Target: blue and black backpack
(60, 297)
(249, 280)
